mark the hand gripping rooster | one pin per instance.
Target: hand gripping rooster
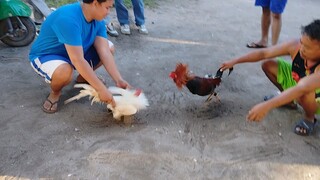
(128, 102)
(201, 86)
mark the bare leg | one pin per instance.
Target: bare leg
(265, 24)
(80, 79)
(60, 78)
(276, 27)
(309, 106)
(270, 68)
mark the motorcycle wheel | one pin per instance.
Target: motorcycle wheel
(19, 37)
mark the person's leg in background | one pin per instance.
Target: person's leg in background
(138, 10)
(277, 8)
(265, 24)
(123, 17)
(110, 28)
(271, 15)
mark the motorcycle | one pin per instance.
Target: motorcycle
(16, 27)
(40, 10)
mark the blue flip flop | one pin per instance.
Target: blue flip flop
(304, 127)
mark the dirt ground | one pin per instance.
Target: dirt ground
(178, 136)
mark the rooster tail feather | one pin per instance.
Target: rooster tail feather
(220, 72)
(84, 86)
(86, 91)
(76, 97)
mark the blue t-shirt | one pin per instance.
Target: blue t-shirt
(66, 25)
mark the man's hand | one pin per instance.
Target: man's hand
(123, 84)
(106, 96)
(258, 112)
(227, 65)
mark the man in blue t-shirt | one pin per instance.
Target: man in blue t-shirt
(74, 37)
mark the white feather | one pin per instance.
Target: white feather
(127, 101)
(86, 91)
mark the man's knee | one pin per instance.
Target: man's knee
(270, 66)
(276, 16)
(307, 98)
(308, 102)
(112, 50)
(111, 47)
(63, 73)
(266, 11)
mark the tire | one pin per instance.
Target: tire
(20, 38)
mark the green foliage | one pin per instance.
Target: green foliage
(147, 3)
(58, 3)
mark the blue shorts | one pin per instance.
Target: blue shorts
(46, 65)
(276, 6)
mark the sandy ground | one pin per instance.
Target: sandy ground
(178, 136)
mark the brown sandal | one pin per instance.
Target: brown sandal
(52, 108)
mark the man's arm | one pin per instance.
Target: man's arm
(107, 59)
(77, 58)
(286, 48)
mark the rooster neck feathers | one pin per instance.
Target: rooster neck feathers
(181, 75)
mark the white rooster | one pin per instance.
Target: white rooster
(128, 102)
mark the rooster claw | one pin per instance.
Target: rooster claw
(211, 96)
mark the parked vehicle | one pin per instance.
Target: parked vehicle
(16, 17)
(40, 10)
(16, 27)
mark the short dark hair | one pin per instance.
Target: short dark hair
(312, 30)
(90, 1)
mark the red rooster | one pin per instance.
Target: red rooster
(201, 86)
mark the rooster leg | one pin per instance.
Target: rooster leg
(211, 96)
(217, 97)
